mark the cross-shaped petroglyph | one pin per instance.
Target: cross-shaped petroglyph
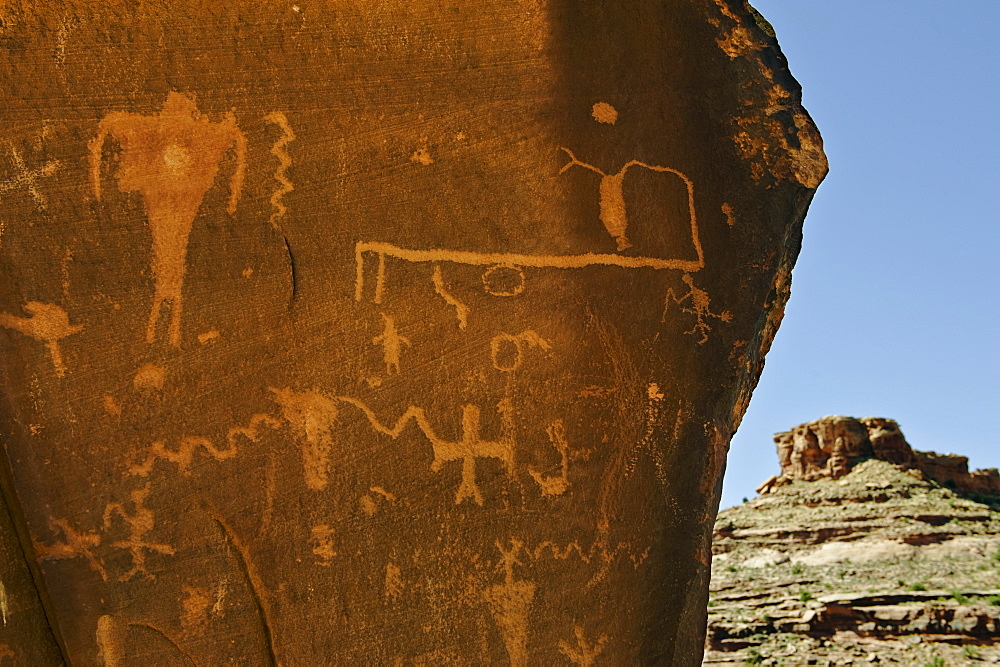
(510, 604)
(74, 545)
(584, 653)
(313, 415)
(140, 523)
(171, 158)
(48, 323)
(23, 177)
(392, 344)
(700, 307)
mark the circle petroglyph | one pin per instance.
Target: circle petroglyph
(504, 280)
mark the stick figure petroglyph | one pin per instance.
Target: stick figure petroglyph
(171, 158)
(700, 308)
(584, 653)
(140, 524)
(28, 178)
(48, 323)
(392, 344)
(510, 604)
(74, 545)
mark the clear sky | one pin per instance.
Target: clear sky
(894, 309)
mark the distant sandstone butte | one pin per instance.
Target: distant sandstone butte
(830, 447)
(409, 332)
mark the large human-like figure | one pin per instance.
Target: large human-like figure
(171, 158)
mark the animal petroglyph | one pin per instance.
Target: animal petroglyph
(557, 485)
(392, 344)
(507, 350)
(322, 541)
(171, 158)
(74, 545)
(584, 653)
(313, 415)
(188, 446)
(48, 323)
(284, 162)
(23, 177)
(699, 305)
(510, 605)
(140, 523)
(461, 310)
(612, 198)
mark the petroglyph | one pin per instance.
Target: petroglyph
(613, 212)
(47, 323)
(149, 377)
(23, 177)
(4, 608)
(140, 523)
(700, 307)
(494, 283)
(554, 486)
(110, 641)
(74, 545)
(188, 446)
(461, 310)
(392, 344)
(604, 113)
(322, 540)
(393, 582)
(422, 155)
(497, 260)
(584, 653)
(369, 505)
(727, 210)
(507, 350)
(171, 158)
(208, 336)
(284, 162)
(311, 416)
(510, 605)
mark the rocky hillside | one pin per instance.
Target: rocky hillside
(859, 561)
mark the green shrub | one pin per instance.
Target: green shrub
(971, 653)
(796, 569)
(917, 587)
(804, 595)
(935, 662)
(959, 598)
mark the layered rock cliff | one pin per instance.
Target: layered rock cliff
(883, 562)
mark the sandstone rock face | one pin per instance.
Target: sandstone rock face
(392, 333)
(830, 447)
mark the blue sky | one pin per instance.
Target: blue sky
(894, 309)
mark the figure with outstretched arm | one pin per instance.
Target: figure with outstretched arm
(172, 159)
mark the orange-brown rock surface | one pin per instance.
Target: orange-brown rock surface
(401, 333)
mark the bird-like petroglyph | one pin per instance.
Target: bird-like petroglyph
(583, 652)
(171, 158)
(48, 323)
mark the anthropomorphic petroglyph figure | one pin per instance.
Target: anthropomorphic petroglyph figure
(48, 323)
(612, 195)
(74, 545)
(171, 158)
(140, 524)
(700, 307)
(510, 604)
(392, 344)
